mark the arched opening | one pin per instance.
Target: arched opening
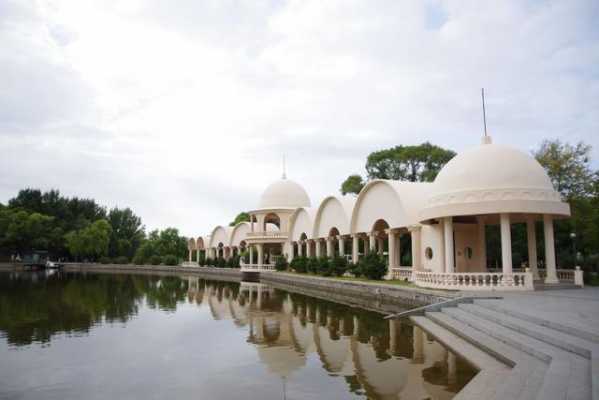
(272, 218)
(220, 251)
(333, 243)
(303, 245)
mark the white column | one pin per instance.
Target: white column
(318, 252)
(260, 253)
(329, 247)
(392, 248)
(482, 243)
(549, 250)
(506, 244)
(300, 248)
(189, 251)
(416, 258)
(372, 242)
(531, 236)
(355, 248)
(308, 249)
(381, 245)
(448, 239)
(251, 261)
(341, 246)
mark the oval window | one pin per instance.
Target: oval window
(468, 252)
(428, 252)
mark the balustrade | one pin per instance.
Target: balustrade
(474, 280)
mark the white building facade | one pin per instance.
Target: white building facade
(432, 234)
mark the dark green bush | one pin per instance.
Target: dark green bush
(355, 269)
(373, 266)
(281, 264)
(104, 260)
(312, 265)
(171, 260)
(121, 260)
(221, 263)
(339, 266)
(298, 264)
(324, 267)
(155, 260)
(138, 260)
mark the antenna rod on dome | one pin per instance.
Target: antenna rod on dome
(484, 111)
(284, 168)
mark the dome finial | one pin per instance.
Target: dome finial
(284, 168)
(486, 137)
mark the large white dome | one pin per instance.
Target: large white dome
(490, 179)
(284, 193)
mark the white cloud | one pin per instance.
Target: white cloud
(183, 113)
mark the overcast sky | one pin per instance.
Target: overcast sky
(182, 109)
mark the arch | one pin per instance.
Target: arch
(301, 222)
(398, 203)
(219, 234)
(201, 242)
(191, 244)
(239, 234)
(272, 219)
(333, 212)
(333, 232)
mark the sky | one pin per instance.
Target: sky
(182, 110)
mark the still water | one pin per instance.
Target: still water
(121, 336)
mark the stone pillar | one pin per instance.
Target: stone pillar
(260, 253)
(531, 237)
(416, 251)
(308, 249)
(318, 249)
(355, 248)
(482, 243)
(448, 241)
(189, 251)
(506, 244)
(372, 242)
(550, 266)
(381, 245)
(300, 248)
(329, 241)
(392, 248)
(341, 246)
(251, 261)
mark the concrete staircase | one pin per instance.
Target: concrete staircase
(519, 356)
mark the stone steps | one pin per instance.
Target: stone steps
(544, 362)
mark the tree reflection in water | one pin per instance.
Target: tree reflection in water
(375, 357)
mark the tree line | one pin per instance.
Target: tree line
(79, 229)
(569, 167)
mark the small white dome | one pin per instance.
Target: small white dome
(489, 179)
(284, 193)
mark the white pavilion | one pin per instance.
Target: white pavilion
(443, 220)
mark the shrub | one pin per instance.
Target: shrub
(373, 266)
(355, 269)
(138, 260)
(312, 265)
(221, 263)
(104, 260)
(155, 260)
(281, 264)
(339, 266)
(298, 264)
(233, 262)
(171, 260)
(324, 267)
(121, 260)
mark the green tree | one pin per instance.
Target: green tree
(419, 163)
(91, 241)
(127, 232)
(22, 231)
(241, 217)
(353, 184)
(568, 166)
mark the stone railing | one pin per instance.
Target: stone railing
(257, 267)
(563, 275)
(401, 273)
(268, 235)
(474, 280)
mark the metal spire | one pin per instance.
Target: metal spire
(484, 111)
(284, 168)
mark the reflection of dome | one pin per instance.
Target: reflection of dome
(284, 193)
(493, 178)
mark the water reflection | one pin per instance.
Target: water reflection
(290, 332)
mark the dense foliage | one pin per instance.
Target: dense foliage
(81, 229)
(325, 266)
(241, 217)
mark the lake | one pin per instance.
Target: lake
(133, 336)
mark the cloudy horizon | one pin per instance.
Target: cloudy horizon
(184, 113)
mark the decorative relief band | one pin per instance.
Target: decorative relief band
(476, 196)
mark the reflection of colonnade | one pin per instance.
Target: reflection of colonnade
(392, 360)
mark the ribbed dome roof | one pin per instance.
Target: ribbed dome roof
(493, 178)
(284, 193)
